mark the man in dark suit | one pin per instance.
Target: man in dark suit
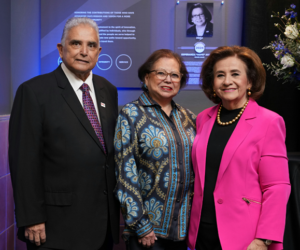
(61, 150)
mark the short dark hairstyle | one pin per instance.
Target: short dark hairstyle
(154, 57)
(256, 73)
(206, 12)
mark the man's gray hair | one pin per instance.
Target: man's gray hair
(75, 21)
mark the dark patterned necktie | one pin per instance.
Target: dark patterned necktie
(90, 111)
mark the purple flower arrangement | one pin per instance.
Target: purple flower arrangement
(286, 49)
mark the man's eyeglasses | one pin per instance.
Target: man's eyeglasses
(200, 15)
(161, 74)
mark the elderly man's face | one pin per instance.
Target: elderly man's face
(81, 50)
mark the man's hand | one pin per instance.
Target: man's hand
(148, 240)
(257, 244)
(36, 234)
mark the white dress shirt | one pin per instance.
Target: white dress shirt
(76, 84)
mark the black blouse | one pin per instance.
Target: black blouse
(218, 139)
(208, 237)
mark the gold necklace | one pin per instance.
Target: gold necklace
(233, 120)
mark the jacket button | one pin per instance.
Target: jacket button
(175, 218)
(107, 166)
(105, 192)
(220, 201)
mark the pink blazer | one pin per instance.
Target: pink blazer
(252, 187)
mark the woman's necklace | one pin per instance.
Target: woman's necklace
(233, 120)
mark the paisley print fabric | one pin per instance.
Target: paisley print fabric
(154, 142)
(153, 168)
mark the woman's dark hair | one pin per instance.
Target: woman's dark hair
(256, 73)
(154, 57)
(206, 12)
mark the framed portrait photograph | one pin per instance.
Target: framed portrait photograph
(199, 18)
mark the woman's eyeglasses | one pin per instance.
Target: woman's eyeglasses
(161, 74)
(200, 15)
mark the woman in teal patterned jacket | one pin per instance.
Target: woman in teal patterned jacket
(153, 141)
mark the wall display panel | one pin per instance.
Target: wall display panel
(199, 29)
(124, 35)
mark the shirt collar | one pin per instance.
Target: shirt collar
(75, 81)
(146, 101)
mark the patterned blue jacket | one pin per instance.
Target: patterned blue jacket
(153, 168)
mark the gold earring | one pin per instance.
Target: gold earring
(249, 92)
(214, 94)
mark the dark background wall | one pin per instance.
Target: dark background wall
(259, 31)
(5, 68)
(25, 45)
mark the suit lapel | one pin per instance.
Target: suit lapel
(101, 99)
(203, 141)
(70, 97)
(239, 134)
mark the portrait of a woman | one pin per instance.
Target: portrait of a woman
(200, 17)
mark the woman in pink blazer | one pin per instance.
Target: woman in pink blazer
(239, 157)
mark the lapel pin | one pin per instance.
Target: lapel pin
(102, 104)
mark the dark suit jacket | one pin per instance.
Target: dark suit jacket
(192, 31)
(59, 171)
